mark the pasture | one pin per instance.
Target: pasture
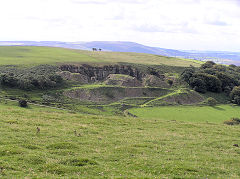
(75, 145)
(198, 114)
(29, 56)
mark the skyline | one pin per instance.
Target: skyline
(187, 25)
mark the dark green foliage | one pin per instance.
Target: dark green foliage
(209, 82)
(233, 121)
(235, 95)
(170, 82)
(198, 84)
(208, 64)
(187, 74)
(211, 101)
(227, 80)
(22, 103)
(39, 77)
(232, 66)
(213, 77)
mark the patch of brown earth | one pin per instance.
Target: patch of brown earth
(66, 75)
(122, 80)
(106, 94)
(154, 81)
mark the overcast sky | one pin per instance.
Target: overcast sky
(175, 24)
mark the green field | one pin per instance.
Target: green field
(120, 138)
(112, 147)
(29, 56)
(200, 114)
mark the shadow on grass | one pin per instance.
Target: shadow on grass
(218, 108)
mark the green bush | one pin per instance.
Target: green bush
(23, 103)
(211, 101)
(235, 95)
(208, 64)
(214, 78)
(233, 121)
(39, 77)
(170, 82)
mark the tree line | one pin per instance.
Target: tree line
(39, 77)
(214, 78)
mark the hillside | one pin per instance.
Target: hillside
(222, 57)
(115, 115)
(27, 55)
(76, 145)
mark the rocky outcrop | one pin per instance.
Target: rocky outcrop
(66, 75)
(122, 80)
(154, 81)
(96, 73)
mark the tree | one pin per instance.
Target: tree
(208, 64)
(187, 74)
(211, 82)
(227, 80)
(198, 85)
(235, 95)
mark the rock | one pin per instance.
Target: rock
(122, 80)
(101, 72)
(154, 81)
(66, 75)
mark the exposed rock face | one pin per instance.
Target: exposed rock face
(100, 73)
(154, 81)
(74, 77)
(122, 80)
(107, 94)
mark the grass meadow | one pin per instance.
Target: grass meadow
(29, 56)
(199, 114)
(75, 145)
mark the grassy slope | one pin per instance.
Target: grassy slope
(112, 147)
(199, 114)
(27, 55)
(40, 55)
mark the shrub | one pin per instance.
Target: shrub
(23, 103)
(235, 95)
(170, 82)
(39, 77)
(211, 101)
(233, 121)
(208, 64)
(212, 82)
(187, 74)
(198, 85)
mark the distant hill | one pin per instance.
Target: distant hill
(117, 46)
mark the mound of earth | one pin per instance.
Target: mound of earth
(111, 94)
(66, 75)
(154, 81)
(188, 97)
(122, 80)
(184, 97)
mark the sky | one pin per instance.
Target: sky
(173, 24)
